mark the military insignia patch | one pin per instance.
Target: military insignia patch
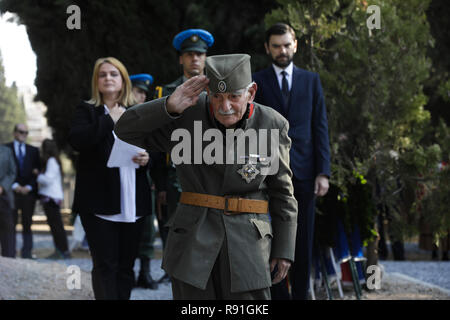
(194, 38)
(248, 172)
(222, 86)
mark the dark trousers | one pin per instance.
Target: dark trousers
(25, 203)
(114, 247)
(7, 234)
(301, 268)
(54, 220)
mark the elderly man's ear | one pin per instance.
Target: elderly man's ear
(252, 92)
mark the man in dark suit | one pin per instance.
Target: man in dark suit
(297, 95)
(25, 186)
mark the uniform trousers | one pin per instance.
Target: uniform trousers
(218, 286)
(26, 204)
(114, 247)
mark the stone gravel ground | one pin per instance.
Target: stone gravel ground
(47, 280)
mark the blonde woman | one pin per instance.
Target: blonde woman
(110, 201)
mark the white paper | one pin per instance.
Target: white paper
(122, 154)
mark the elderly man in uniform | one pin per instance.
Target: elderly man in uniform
(222, 243)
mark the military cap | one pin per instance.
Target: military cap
(142, 81)
(229, 72)
(197, 40)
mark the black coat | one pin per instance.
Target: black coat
(97, 188)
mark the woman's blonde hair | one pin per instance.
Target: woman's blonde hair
(126, 97)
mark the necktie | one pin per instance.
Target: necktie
(285, 89)
(21, 157)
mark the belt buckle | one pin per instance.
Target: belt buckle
(225, 209)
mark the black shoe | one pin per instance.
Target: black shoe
(146, 281)
(164, 278)
(28, 255)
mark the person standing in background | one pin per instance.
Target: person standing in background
(110, 200)
(141, 90)
(7, 176)
(25, 186)
(192, 46)
(297, 95)
(51, 194)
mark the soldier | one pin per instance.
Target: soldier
(141, 90)
(222, 243)
(192, 45)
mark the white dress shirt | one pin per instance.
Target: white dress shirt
(289, 70)
(127, 194)
(50, 182)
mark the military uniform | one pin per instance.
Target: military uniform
(196, 40)
(146, 251)
(204, 239)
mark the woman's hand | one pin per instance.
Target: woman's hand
(141, 158)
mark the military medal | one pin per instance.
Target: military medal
(248, 172)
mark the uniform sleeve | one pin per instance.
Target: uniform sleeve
(147, 125)
(8, 179)
(320, 131)
(282, 204)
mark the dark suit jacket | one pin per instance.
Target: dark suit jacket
(97, 188)
(307, 116)
(32, 161)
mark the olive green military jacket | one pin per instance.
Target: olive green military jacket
(169, 88)
(196, 234)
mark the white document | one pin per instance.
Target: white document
(122, 154)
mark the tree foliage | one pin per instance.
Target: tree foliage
(373, 81)
(139, 33)
(12, 110)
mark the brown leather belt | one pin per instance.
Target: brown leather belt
(229, 204)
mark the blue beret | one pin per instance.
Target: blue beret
(193, 40)
(142, 80)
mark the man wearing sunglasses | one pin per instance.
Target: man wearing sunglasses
(25, 186)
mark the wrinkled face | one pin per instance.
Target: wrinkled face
(281, 49)
(21, 133)
(139, 94)
(109, 80)
(229, 107)
(193, 63)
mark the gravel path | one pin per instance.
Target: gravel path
(433, 272)
(47, 279)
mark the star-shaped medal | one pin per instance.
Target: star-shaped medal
(248, 172)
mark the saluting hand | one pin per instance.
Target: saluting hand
(186, 95)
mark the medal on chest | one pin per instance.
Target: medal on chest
(248, 172)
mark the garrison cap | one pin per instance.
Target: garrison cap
(142, 81)
(197, 40)
(229, 72)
